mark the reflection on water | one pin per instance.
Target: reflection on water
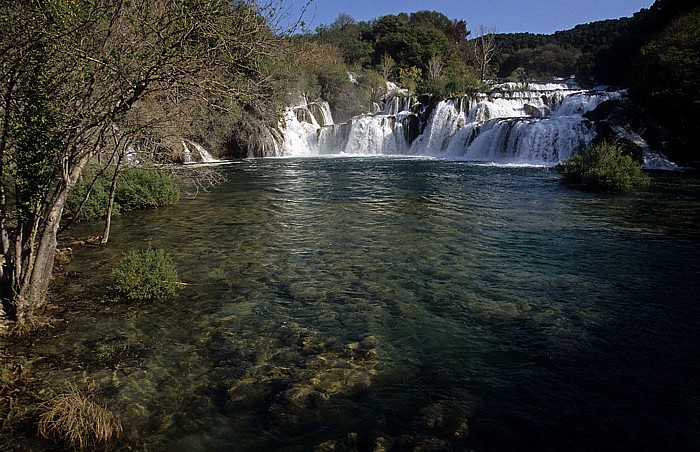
(400, 304)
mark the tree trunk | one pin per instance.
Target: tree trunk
(34, 282)
(112, 193)
(70, 222)
(5, 242)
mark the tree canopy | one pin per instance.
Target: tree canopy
(81, 76)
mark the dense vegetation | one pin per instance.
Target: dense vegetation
(91, 79)
(604, 167)
(137, 188)
(147, 275)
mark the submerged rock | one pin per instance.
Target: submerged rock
(447, 417)
(295, 370)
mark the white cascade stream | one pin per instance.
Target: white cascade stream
(539, 124)
(204, 155)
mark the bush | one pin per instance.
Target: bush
(74, 418)
(145, 188)
(96, 205)
(603, 167)
(137, 188)
(146, 275)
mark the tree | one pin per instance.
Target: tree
(666, 74)
(344, 34)
(457, 31)
(386, 66)
(75, 72)
(484, 50)
(435, 68)
(374, 84)
(120, 148)
(343, 21)
(410, 77)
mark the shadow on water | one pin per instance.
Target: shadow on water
(400, 304)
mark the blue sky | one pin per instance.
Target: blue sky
(505, 16)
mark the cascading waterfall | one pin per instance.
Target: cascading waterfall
(540, 124)
(187, 153)
(300, 135)
(204, 155)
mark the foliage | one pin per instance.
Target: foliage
(148, 275)
(409, 40)
(666, 73)
(518, 75)
(143, 188)
(543, 62)
(344, 33)
(373, 84)
(570, 51)
(386, 66)
(96, 196)
(428, 48)
(75, 419)
(409, 78)
(509, 43)
(614, 62)
(85, 77)
(137, 188)
(603, 167)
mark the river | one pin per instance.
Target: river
(401, 303)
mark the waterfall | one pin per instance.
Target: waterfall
(300, 137)
(321, 113)
(204, 155)
(376, 134)
(651, 160)
(539, 124)
(397, 105)
(188, 157)
(445, 121)
(187, 154)
(522, 140)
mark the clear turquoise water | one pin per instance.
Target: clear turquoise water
(402, 303)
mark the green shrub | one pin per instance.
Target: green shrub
(96, 205)
(137, 188)
(603, 167)
(146, 275)
(145, 188)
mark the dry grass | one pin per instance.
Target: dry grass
(74, 418)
